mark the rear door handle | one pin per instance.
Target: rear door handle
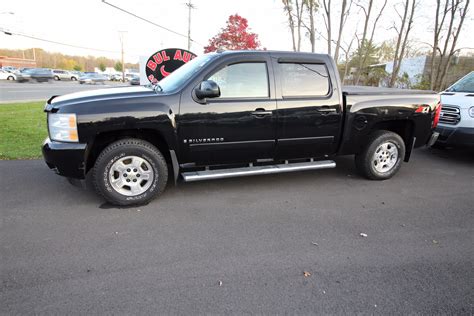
(327, 110)
(260, 112)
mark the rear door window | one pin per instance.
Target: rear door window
(298, 79)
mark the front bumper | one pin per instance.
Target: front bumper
(455, 136)
(66, 159)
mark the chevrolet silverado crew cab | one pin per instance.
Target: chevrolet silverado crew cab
(233, 113)
(456, 121)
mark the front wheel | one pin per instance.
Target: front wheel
(382, 156)
(130, 171)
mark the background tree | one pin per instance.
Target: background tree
(367, 51)
(327, 22)
(288, 8)
(403, 32)
(102, 67)
(366, 54)
(345, 9)
(46, 59)
(347, 54)
(387, 50)
(118, 66)
(367, 12)
(66, 63)
(312, 7)
(294, 10)
(453, 13)
(236, 35)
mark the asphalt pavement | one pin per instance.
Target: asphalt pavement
(244, 245)
(34, 91)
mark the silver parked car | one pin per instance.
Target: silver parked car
(64, 75)
(92, 78)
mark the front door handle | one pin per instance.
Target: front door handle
(260, 113)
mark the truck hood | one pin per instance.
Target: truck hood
(463, 100)
(95, 95)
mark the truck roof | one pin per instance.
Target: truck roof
(280, 53)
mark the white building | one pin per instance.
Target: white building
(414, 67)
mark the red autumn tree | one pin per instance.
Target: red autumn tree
(235, 36)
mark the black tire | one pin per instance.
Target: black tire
(366, 162)
(73, 79)
(124, 148)
(56, 78)
(10, 78)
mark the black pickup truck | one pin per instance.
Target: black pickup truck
(233, 113)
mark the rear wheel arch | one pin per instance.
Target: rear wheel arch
(404, 128)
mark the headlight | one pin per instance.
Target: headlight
(63, 127)
(471, 111)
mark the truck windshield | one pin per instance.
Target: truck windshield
(183, 73)
(466, 84)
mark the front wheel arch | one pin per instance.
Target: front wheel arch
(103, 139)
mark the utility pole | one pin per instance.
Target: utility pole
(123, 63)
(190, 7)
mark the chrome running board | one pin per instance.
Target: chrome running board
(256, 170)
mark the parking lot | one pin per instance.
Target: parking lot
(244, 245)
(32, 91)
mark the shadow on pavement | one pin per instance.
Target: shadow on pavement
(458, 155)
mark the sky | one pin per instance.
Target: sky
(93, 24)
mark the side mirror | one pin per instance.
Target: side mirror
(207, 89)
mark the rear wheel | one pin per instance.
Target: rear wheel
(382, 156)
(56, 78)
(73, 79)
(130, 171)
(10, 78)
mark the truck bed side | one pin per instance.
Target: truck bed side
(409, 113)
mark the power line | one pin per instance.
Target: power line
(151, 22)
(55, 42)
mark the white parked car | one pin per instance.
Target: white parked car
(5, 75)
(456, 121)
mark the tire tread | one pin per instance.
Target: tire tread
(120, 144)
(363, 159)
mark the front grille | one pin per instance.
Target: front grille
(450, 114)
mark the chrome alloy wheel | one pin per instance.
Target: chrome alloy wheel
(131, 175)
(385, 157)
